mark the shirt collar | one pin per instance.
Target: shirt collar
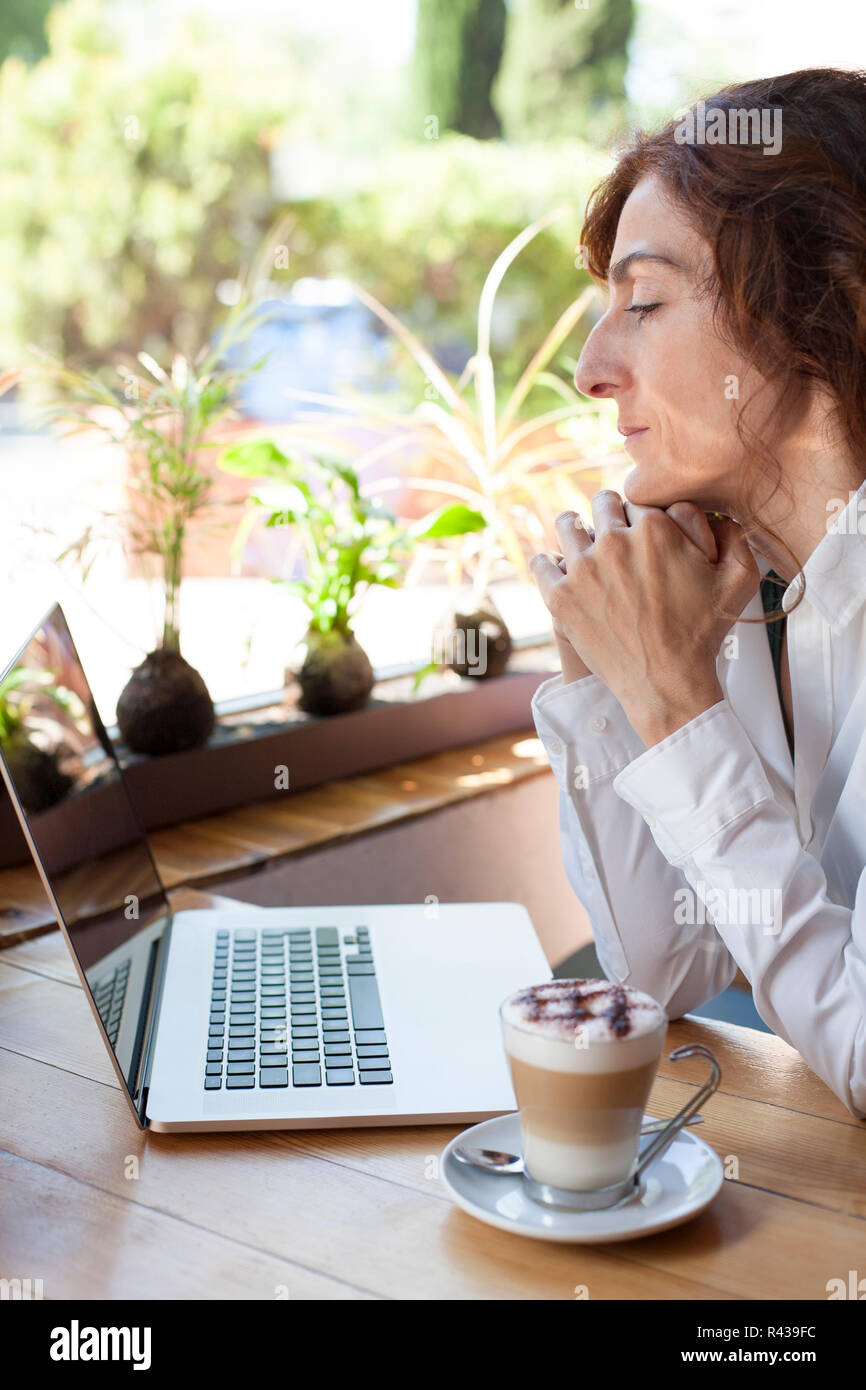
(835, 572)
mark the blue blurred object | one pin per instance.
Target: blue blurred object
(320, 338)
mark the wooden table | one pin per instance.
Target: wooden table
(97, 1209)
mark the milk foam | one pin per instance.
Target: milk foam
(583, 1026)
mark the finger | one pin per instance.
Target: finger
(560, 560)
(739, 576)
(546, 573)
(692, 521)
(608, 513)
(572, 536)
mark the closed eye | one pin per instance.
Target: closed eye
(643, 309)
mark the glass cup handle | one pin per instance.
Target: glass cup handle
(666, 1135)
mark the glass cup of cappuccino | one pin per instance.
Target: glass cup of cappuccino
(583, 1056)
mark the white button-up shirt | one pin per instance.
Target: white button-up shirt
(713, 849)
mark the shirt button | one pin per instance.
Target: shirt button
(598, 723)
(554, 746)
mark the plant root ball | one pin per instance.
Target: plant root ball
(165, 706)
(481, 644)
(38, 779)
(336, 675)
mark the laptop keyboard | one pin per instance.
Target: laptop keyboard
(290, 1009)
(109, 995)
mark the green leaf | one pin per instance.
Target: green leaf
(451, 520)
(420, 675)
(258, 459)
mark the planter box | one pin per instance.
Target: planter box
(240, 762)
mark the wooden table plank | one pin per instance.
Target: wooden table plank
(396, 1238)
(85, 1243)
(758, 1066)
(771, 1146)
(399, 1235)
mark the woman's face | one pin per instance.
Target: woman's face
(656, 353)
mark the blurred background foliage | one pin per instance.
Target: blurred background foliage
(139, 176)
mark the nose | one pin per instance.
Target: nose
(600, 370)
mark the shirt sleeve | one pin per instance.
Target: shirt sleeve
(631, 892)
(704, 795)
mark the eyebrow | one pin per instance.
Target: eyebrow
(620, 268)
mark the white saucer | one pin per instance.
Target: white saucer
(675, 1186)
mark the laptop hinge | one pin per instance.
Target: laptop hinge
(150, 1023)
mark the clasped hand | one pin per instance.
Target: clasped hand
(646, 603)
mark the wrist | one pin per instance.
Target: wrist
(654, 718)
(574, 668)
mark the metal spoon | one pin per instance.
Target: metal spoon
(498, 1162)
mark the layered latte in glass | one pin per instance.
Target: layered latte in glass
(583, 1056)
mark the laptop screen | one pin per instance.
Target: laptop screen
(65, 780)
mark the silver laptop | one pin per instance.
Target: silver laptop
(260, 1018)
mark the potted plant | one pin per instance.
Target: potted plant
(518, 470)
(165, 420)
(350, 542)
(36, 771)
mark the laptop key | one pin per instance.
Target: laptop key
(242, 1054)
(375, 1078)
(240, 1068)
(372, 1049)
(366, 1008)
(274, 1077)
(216, 1055)
(373, 1064)
(212, 1083)
(305, 1056)
(342, 1049)
(370, 1035)
(213, 1069)
(306, 1074)
(240, 1083)
(340, 1076)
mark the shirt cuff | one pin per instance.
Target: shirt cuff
(583, 717)
(695, 782)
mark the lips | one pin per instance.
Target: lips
(629, 430)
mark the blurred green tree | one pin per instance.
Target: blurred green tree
(22, 29)
(130, 189)
(563, 69)
(458, 49)
(135, 182)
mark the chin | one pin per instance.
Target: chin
(644, 490)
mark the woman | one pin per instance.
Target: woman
(712, 815)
